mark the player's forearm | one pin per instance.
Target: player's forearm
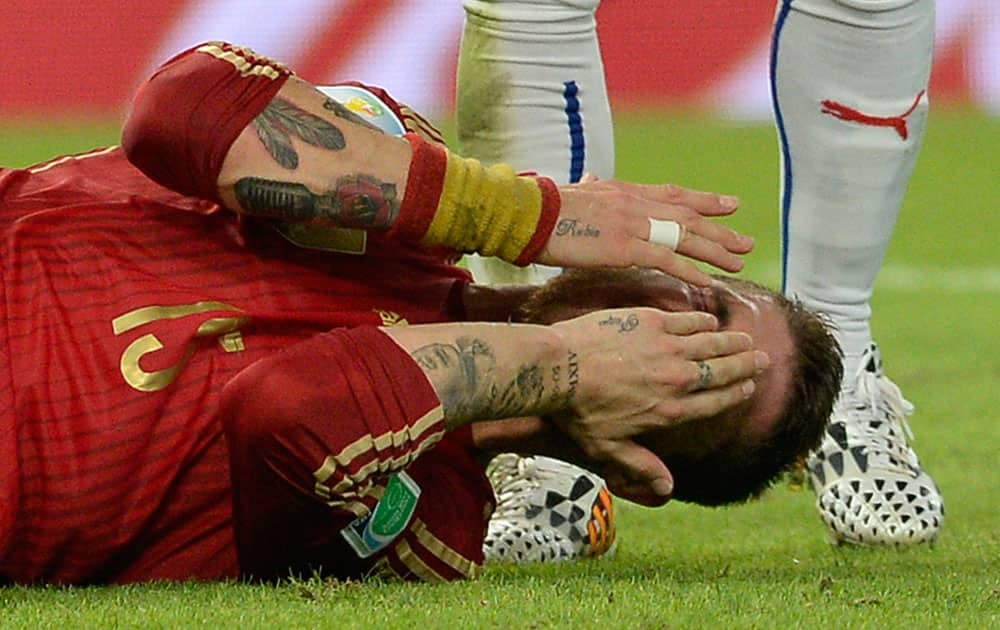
(338, 171)
(226, 124)
(306, 158)
(485, 372)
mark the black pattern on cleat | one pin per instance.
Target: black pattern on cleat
(838, 432)
(553, 499)
(837, 461)
(582, 486)
(544, 511)
(870, 487)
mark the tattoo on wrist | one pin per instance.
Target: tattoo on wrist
(572, 377)
(281, 120)
(573, 227)
(341, 111)
(557, 393)
(356, 201)
(624, 324)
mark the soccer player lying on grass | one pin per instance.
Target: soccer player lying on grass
(192, 392)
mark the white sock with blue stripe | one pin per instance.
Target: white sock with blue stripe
(849, 79)
(531, 93)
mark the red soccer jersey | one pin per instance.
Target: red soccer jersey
(126, 308)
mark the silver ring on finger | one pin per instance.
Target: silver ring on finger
(704, 375)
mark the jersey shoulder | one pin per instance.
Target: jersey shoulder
(101, 175)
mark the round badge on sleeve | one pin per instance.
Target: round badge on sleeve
(366, 105)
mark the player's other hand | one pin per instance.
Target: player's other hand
(637, 370)
(607, 223)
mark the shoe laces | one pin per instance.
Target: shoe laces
(513, 478)
(879, 412)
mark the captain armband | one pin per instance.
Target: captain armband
(461, 204)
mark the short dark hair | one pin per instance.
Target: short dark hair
(740, 470)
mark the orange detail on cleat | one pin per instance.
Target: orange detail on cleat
(602, 526)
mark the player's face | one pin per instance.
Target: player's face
(736, 306)
(758, 315)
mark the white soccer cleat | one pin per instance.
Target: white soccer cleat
(870, 488)
(547, 510)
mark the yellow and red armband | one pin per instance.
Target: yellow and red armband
(461, 204)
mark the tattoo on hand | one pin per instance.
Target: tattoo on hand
(356, 201)
(624, 324)
(573, 227)
(281, 120)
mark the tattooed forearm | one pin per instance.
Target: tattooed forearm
(342, 112)
(282, 119)
(472, 386)
(461, 358)
(357, 201)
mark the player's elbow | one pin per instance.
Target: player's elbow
(148, 139)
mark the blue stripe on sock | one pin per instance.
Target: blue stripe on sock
(786, 197)
(577, 145)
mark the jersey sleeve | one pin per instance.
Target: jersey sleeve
(444, 540)
(315, 432)
(186, 116)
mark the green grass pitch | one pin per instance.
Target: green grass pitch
(764, 565)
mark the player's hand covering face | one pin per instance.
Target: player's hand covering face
(710, 424)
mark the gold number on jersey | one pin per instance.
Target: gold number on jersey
(225, 328)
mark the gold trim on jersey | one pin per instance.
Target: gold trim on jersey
(261, 66)
(442, 551)
(349, 481)
(368, 443)
(413, 562)
(416, 123)
(357, 506)
(360, 477)
(67, 158)
(362, 490)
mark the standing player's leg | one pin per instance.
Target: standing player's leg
(531, 93)
(849, 81)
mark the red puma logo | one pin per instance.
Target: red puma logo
(898, 123)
